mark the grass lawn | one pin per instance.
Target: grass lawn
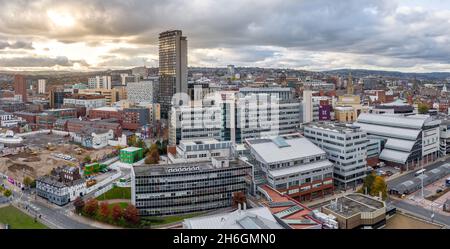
(169, 219)
(17, 219)
(116, 193)
(123, 205)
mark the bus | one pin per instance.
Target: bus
(419, 172)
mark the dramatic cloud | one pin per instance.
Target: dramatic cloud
(317, 35)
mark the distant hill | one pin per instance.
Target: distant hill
(393, 74)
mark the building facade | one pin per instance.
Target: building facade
(172, 68)
(187, 187)
(346, 148)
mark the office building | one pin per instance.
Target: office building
(42, 86)
(407, 140)
(142, 91)
(346, 148)
(56, 97)
(307, 106)
(111, 95)
(187, 187)
(199, 150)
(445, 137)
(103, 82)
(172, 68)
(85, 100)
(20, 87)
(292, 165)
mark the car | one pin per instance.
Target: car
(439, 191)
(389, 173)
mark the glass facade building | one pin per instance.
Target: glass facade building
(172, 67)
(188, 187)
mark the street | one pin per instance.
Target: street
(421, 212)
(410, 175)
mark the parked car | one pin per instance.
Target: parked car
(439, 191)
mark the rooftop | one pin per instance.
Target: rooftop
(169, 169)
(131, 149)
(353, 204)
(335, 127)
(284, 148)
(255, 218)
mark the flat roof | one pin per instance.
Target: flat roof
(334, 127)
(165, 169)
(352, 204)
(131, 149)
(284, 148)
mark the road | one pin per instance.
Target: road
(51, 215)
(410, 175)
(421, 211)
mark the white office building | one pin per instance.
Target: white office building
(100, 82)
(291, 164)
(200, 150)
(408, 140)
(346, 147)
(42, 86)
(142, 91)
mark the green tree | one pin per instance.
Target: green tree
(27, 181)
(87, 159)
(423, 108)
(7, 193)
(379, 185)
(368, 182)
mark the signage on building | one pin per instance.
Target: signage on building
(324, 112)
(183, 169)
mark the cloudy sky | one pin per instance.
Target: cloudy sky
(404, 35)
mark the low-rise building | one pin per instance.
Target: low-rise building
(200, 150)
(93, 137)
(131, 154)
(357, 211)
(63, 185)
(255, 218)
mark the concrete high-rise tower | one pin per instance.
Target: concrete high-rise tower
(172, 68)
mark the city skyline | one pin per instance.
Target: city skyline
(407, 36)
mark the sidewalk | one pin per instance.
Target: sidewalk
(94, 223)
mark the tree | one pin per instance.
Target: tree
(87, 159)
(152, 156)
(368, 182)
(379, 185)
(27, 181)
(79, 204)
(91, 207)
(104, 210)
(7, 193)
(132, 140)
(131, 215)
(239, 198)
(423, 108)
(116, 212)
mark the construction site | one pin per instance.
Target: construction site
(43, 152)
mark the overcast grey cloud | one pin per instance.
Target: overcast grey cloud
(319, 34)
